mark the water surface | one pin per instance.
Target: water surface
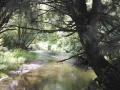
(51, 76)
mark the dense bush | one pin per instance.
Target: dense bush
(9, 39)
(11, 59)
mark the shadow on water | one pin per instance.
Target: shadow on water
(51, 76)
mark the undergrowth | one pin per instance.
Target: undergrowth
(11, 59)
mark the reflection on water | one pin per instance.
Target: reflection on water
(51, 76)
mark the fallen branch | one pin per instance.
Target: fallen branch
(60, 61)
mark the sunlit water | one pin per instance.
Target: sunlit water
(50, 76)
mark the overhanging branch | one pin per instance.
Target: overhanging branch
(39, 30)
(60, 61)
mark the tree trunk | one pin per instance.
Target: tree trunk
(106, 72)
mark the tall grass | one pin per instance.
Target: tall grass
(11, 59)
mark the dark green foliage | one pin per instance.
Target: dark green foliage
(9, 39)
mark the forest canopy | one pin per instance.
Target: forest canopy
(95, 24)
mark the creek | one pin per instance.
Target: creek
(51, 75)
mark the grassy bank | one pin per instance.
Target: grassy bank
(11, 59)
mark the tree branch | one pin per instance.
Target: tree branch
(70, 34)
(42, 31)
(96, 6)
(114, 28)
(95, 12)
(69, 57)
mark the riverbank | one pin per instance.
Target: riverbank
(24, 68)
